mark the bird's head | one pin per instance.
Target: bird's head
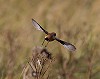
(54, 33)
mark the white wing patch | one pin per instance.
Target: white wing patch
(70, 47)
(36, 25)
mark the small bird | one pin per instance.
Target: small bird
(52, 36)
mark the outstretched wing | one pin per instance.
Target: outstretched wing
(38, 27)
(67, 45)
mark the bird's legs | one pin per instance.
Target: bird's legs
(46, 44)
(43, 41)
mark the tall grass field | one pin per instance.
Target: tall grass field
(74, 21)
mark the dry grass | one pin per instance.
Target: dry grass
(39, 65)
(75, 21)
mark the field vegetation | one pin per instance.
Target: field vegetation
(75, 21)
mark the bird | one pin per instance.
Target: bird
(52, 36)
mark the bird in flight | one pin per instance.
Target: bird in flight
(52, 36)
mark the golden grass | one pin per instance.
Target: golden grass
(79, 24)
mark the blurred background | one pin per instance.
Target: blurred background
(75, 21)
